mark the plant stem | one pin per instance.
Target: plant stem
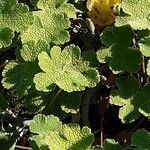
(4, 64)
(101, 132)
(23, 147)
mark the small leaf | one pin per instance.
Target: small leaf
(6, 35)
(6, 141)
(145, 46)
(141, 139)
(142, 100)
(104, 55)
(110, 144)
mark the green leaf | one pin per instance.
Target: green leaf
(6, 35)
(30, 51)
(51, 131)
(15, 16)
(90, 56)
(70, 102)
(97, 147)
(131, 98)
(137, 15)
(35, 102)
(145, 46)
(148, 68)
(19, 76)
(124, 97)
(50, 22)
(123, 57)
(141, 139)
(110, 144)
(143, 33)
(6, 141)
(60, 102)
(44, 124)
(142, 100)
(104, 55)
(66, 70)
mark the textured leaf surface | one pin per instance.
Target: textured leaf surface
(14, 15)
(67, 136)
(141, 139)
(138, 16)
(110, 144)
(132, 98)
(50, 22)
(122, 55)
(44, 124)
(125, 96)
(19, 75)
(35, 102)
(104, 55)
(6, 36)
(145, 46)
(142, 100)
(30, 51)
(65, 69)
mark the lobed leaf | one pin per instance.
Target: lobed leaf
(67, 136)
(66, 70)
(51, 22)
(6, 35)
(30, 50)
(15, 16)
(19, 75)
(141, 139)
(136, 14)
(119, 50)
(132, 99)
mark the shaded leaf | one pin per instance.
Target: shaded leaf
(141, 139)
(122, 55)
(19, 76)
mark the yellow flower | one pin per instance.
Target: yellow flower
(102, 12)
